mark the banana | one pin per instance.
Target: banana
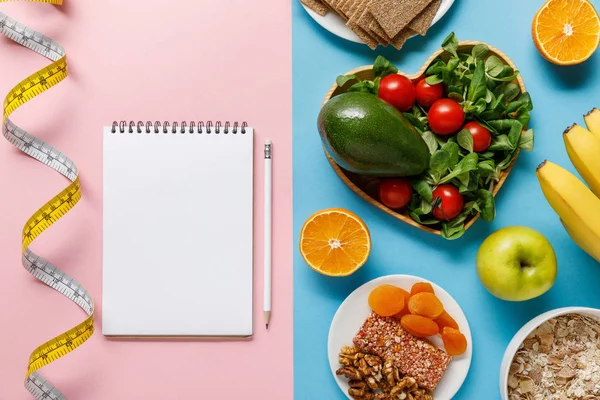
(574, 203)
(584, 151)
(585, 239)
(592, 121)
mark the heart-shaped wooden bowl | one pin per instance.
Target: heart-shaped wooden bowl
(367, 187)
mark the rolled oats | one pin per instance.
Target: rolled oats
(559, 360)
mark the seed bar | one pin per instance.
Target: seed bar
(413, 357)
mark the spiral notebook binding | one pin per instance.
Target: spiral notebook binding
(175, 127)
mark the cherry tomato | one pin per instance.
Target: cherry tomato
(451, 202)
(395, 193)
(397, 90)
(445, 117)
(427, 94)
(482, 138)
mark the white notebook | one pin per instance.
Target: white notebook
(177, 252)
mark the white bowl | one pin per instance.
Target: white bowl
(529, 327)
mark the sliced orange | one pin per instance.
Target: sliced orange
(566, 32)
(335, 242)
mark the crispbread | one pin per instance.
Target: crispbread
(316, 5)
(395, 15)
(381, 21)
(376, 28)
(332, 4)
(352, 7)
(401, 38)
(365, 20)
(345, 5)
(364, 36)
(339, 5)
(360, 7)
(422, 22)
(357, 20)
(397, 41)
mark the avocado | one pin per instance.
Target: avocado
(368, 136)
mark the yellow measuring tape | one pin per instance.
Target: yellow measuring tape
(54, 209)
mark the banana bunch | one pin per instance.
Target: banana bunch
(577, 206)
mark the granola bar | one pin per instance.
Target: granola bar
(413, 357)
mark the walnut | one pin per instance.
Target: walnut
(390, 372)
(370, 378)
(361, 394)
(349, 372)
(372, 382)
(382, 396)
(358, 384)
(363, 367)
(350, 355)
(372, 360)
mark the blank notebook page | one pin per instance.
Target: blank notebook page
(177, 254)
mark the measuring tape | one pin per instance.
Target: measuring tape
(54, 209)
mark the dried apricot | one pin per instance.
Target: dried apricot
(455, 342)
(421, 287)
(386, 300)
(404, 310)
(402, 313)
(419, 326)
(444, 320)
(426, 305)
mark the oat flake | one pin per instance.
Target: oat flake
(560, 360)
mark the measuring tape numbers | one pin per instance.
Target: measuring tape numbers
(54, 209)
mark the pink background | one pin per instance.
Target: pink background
(157, 60)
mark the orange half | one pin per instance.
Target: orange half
(335, 242)
(566, 32)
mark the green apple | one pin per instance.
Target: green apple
(516, 263)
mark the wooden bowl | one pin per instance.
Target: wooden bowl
(351, 179)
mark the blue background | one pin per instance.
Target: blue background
(561, 95)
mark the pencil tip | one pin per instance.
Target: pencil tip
(267, 326)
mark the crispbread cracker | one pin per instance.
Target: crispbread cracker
(316, 5)
(345, 5)
(365, 20)
(394, 15)
(376, 28)
(401, 38)
(353, 7)
(339, 8)
(422, 22)
(364, 36)
(360, 7)
(333, 4)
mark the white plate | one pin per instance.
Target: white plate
(355, 309)
(337, 25)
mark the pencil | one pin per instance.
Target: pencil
(267, 230)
